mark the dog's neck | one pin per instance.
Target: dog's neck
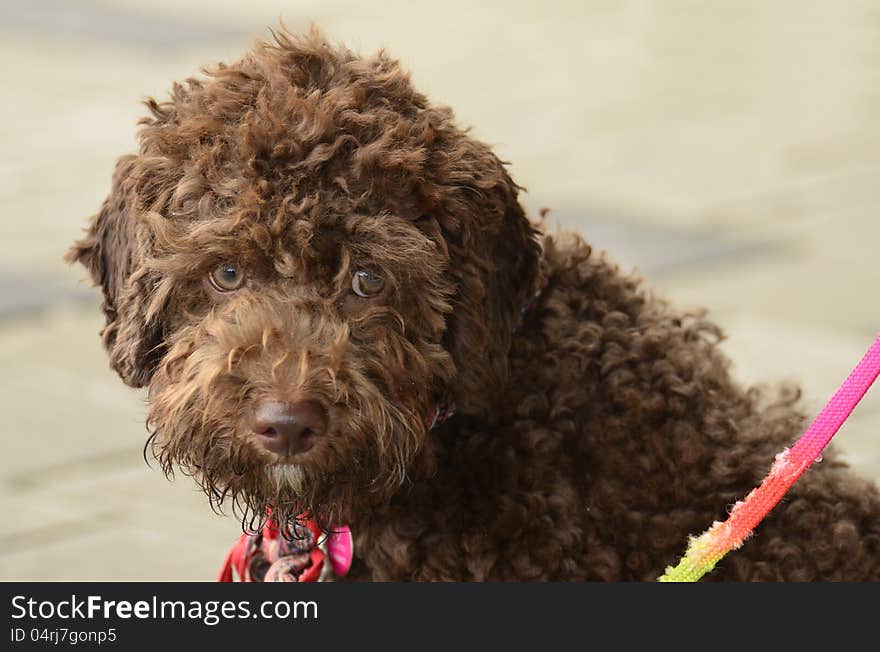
(444, 409)
(450, 451)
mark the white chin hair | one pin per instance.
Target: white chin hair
(285, 476)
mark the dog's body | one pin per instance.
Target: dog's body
(305, 258)
(619, 435)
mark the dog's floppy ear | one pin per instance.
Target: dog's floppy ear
(497, 264)
(113, 251)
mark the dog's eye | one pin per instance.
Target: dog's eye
(226, 278)
(367, 284)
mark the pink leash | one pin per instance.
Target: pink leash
(841, 405)
(707, 549)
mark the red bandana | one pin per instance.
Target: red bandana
(266, 556)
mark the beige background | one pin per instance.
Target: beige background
(730, 150)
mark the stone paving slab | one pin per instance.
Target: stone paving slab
(60, 401)
(117, 553)
(828, 282)
(127, 26)
(122, 521)
(26, 294)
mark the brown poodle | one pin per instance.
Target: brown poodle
(306, 258)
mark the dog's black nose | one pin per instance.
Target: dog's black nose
(289, 428)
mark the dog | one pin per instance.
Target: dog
(310, 266)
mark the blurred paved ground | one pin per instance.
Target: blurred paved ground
(731, 153)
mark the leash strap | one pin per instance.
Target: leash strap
(707, 549)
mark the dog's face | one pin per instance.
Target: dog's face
(304, 258)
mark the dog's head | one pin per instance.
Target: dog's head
(303, 258)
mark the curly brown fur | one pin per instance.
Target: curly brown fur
(593, 435)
